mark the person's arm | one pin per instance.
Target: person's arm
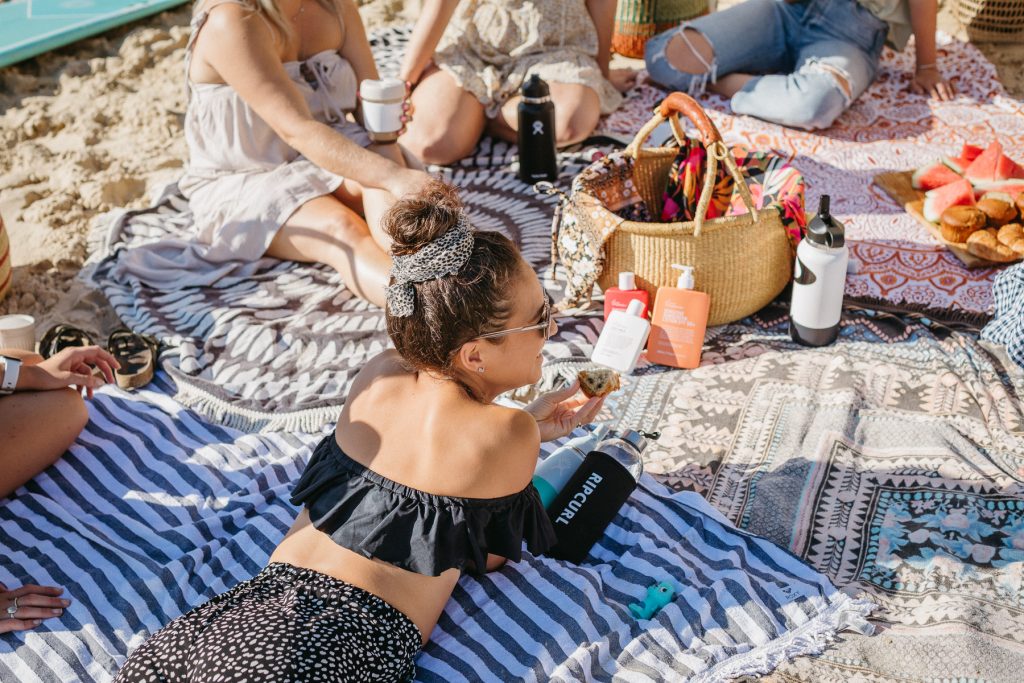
(356, 48)
(426, 34)
(602, 13)
(72, 366)
(243, 55)
(927, 79)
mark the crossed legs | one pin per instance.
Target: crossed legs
(448, 121)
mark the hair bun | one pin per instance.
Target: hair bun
(418, 219)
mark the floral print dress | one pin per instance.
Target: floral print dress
(491, 46)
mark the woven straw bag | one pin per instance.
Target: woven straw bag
(742, 262)
(638, 20)
(997, 21)
(5, 261)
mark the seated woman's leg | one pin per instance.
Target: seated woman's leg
(829, 76)
(324, 230)
(721, 50)
(577, 111)
(446, 121)
(373, 202)
(36, 428)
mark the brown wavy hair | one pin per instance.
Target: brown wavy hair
(453, 309)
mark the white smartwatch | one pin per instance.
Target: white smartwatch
(12, 368)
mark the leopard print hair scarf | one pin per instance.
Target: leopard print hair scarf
(443, 256)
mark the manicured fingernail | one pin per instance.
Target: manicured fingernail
(57, 611)
(65, 602)
(36, 622)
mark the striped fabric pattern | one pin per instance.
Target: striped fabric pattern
(155, 510)
(1007, 325)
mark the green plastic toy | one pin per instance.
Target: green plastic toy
(658, 595)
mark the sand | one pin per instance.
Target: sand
(97, 126)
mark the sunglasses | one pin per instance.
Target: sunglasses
(544, 324)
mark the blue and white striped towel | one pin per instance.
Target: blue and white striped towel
(155, 511)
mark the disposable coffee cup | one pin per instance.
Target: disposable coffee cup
(18, 331)
(382, 108)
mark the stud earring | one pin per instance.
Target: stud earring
(480, 369)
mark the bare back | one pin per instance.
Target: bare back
(426, 434)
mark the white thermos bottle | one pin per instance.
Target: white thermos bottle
(819, 280)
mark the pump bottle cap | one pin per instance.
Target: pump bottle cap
(685, 280)
(635, 308)
(627, 281)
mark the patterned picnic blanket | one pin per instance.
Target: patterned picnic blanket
(892, 461)
(154, 510)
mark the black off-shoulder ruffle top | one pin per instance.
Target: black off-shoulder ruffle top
(420, 532)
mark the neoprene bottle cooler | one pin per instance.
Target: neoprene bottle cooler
(593, 496)
(537, 157)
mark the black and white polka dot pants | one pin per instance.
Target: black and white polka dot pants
(285, 624)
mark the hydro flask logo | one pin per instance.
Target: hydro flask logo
(538, 128)
(579, 499)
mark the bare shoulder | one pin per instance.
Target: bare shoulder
(512, 446)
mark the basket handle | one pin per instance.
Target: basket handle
(670, 109)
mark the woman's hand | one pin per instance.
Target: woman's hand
(622, 79)
(929, 81)
(72, 366)
(561, 411)
(33, 603)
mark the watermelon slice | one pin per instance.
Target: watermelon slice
(1007, 168)
(970, 152)
(1011, 187)
(983, 169)
(932, 176)
(941, 198)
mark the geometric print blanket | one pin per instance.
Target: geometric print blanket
(154, 511)
(892, 462)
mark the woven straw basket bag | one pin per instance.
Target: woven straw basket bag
(997, 21)
(638, 20)
(742, 262)
(5, 261)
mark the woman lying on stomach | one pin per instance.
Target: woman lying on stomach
(275, 166)
(424, 478)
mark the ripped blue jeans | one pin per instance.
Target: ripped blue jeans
(814, 57)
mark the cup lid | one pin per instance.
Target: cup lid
(382, 89)
(16, 321)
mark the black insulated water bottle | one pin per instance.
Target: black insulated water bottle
(537, 157)
(589, 502)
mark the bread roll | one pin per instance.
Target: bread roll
(598, 382)
(958, 222)
(1012, 235)
(985, 244)
(998, 212)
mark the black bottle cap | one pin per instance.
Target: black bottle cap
(824, 229)
(535, 88)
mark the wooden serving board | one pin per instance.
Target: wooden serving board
(897, 185)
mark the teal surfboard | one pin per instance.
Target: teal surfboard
(31, 27)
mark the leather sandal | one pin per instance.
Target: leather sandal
(136, 353)
(62, 336)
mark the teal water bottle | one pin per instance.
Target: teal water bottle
(555, 470)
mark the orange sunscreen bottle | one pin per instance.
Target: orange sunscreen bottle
(679, 322)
